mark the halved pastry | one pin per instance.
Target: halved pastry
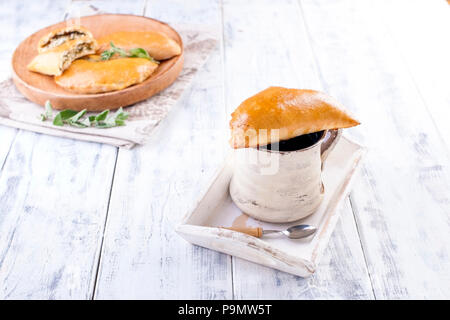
(91, 75)
(292, 112)
(157, 44)
(60, 36)
(54, 61)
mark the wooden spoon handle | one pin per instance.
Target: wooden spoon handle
(254, 232)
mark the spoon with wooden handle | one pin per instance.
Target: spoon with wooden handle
(294, 232)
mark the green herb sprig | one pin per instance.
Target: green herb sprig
(48, 111)
(80, 120)
(132, 53)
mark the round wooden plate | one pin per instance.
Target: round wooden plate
(40, 88)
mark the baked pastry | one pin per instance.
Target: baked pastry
(60, 36)
(157, 44)
(293, 112)
(54, 61)
(91, 75)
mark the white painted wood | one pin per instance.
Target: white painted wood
(91, 7)
(155, 184)
(7, 136)
(266, 44)
(54, 195)
(386, 61)
(420, 34)
(17, 21)
(402, 201)
(341, 273)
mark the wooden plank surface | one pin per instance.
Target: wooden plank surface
(279, 53)
(18, 19)
(420, 36)
(156, 183)
(83, 220)
(54, 195)
(7, 137)
(402, 201)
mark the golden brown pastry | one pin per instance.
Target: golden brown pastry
(91, 75)
(60, 36)
(54, 61)
(292, 111)
(157, 44)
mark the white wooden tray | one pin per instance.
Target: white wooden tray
(300, 257)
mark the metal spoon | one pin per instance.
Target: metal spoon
(294, 232)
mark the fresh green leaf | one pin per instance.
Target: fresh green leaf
(67, 114)
(132, 53)
(77, 124)
(48, 106)
(48, 109)
(120, 116)
(78, 116)
(80, 120)
(141, 53)
(87, 121)
(58, 120)
(48, 114)
(63, 116)
(106, 55)
(119, 121)
(105, 125)
(102, 116)
(117, 50)
(138, 52)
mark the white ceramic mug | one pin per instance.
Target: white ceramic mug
(292, 191)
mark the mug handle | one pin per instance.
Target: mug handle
(329, 142)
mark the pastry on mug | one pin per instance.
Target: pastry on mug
(61, 36)
(92, 75)
(54, 61)
(293, 112)
(157, 44)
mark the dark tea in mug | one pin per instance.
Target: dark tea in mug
(297, 143)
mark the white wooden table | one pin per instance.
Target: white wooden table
(89, 221)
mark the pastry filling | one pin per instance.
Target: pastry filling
(78, 51)
(61, 38)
